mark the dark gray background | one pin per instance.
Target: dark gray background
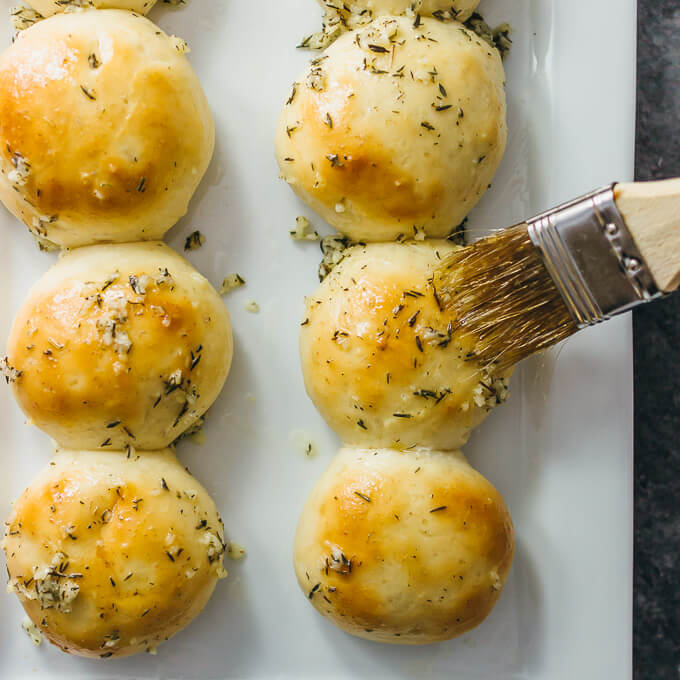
(657, 368)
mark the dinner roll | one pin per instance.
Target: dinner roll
(105, 131)
(403, 547)
(49, 7)
(383, 363)
(396, 129)
(355, 12)
(117, 346)
(112, 555)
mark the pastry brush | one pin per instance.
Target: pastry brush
(528, 287)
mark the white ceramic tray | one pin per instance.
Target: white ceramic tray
(560, 450)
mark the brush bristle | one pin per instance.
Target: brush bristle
(502, 296)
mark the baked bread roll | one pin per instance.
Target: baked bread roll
(111, 555)
(403, 547)
(381, 361)
(49, 7)
(396, 129)
(356, 11)
(119, 346)
(105, 131)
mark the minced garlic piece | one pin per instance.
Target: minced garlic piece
(236, 551)
(10, 373)
(252, 307)
(215, 546)
(22, 169)
(304, 443)
(490, 392)
(32, 631)
(51, 586)
(180, 44)
(24, 17)
(333, 249)
(303, 231)
(45, 244)
(231, 282)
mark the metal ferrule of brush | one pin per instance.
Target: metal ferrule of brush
(592, 258)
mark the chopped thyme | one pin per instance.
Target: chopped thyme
(195, 360)
(90, 94)
(110, 281)
(183, 410)
(292, 95)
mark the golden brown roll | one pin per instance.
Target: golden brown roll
(396, 129)
(111, 555)
(383, 363)
(105, 131)
(49, 7)
(116, 346)
(403, 547)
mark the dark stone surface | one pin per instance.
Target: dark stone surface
(657, 369)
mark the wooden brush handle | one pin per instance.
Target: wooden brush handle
(652, 212)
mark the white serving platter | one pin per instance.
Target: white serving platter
(560, 450)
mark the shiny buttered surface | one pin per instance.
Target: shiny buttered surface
(403, 547)
(49, 7)
(354, 11)
(105, 131)
(111, 555)
(116, 347)
(396, 129)
(383, 363)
